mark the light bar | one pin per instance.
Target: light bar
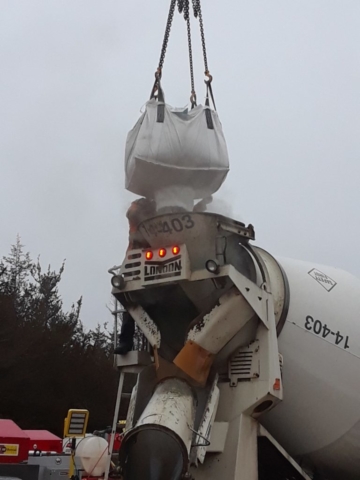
(162, 252)
(76, 423)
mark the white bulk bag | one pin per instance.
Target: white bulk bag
(171, 147)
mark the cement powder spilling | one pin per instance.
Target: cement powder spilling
(221, 207)
(174, 196)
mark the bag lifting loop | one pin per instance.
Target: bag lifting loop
(158, 94)
(155, 88)
(208, 114)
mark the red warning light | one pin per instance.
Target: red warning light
(277, 384)
(149, 255)
(162, 252)
(175, 250)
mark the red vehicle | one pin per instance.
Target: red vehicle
(44, 441)
(14, 443)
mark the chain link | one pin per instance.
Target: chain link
(167, 35)
(198, 14)
(187, 18)
(184, 8)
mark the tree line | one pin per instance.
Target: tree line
(49, 362)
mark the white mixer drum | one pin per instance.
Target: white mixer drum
(319, 418)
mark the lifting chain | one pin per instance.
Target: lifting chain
(184, 8)
(167, 35)
(198, 14)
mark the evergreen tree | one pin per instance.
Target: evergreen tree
(48, 362)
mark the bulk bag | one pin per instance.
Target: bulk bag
(176, 147)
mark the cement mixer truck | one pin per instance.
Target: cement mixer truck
(253, 367)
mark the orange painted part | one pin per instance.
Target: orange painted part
(195, 361)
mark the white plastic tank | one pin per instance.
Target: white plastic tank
(319, 418)
(93, 453)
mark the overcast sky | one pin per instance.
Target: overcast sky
(75, 74)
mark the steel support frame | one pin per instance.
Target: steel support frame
(238, 406)
(241, 405)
